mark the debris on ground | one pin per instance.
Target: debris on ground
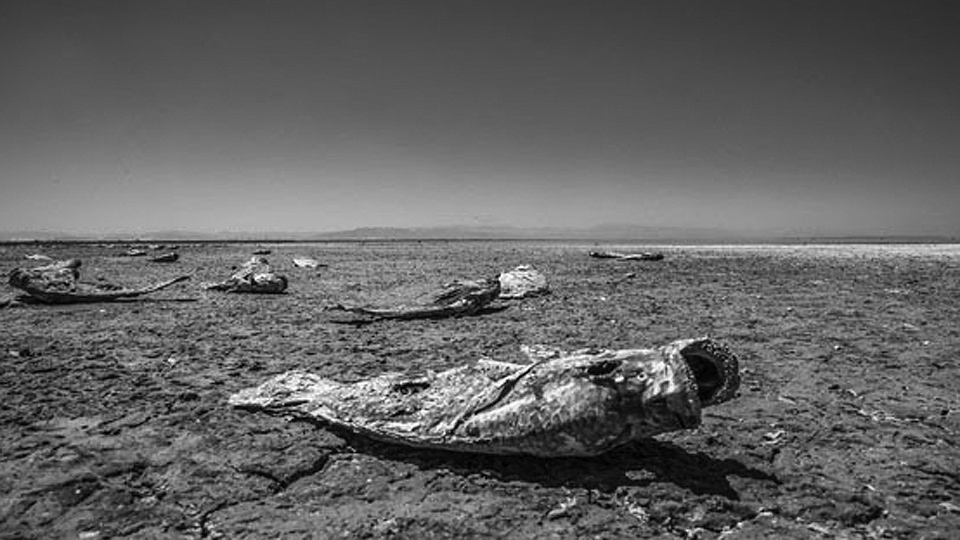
(59, 283)
(643, 256)
(457, 299)
(571, 405)
(166, 257)
(134, 252)
(563, 509)
(255, 277)
(306, 262)
(38, 257)
(521, 282)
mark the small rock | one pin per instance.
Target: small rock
(563, 510)
(637, 511)
(949, 507)
(306, 262)
(773, 437)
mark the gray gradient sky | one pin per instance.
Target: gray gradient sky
(787, 117)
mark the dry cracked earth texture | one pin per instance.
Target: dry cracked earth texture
(115, 422)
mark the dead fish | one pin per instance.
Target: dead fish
(59, 283)
(253, 277)
(645, 256)
(582, 403)
(457, 299)
(166, 258)
(306, 262)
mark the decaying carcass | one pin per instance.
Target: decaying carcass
(644, 256)
(253, 277)
(59, 283)
(581, 403)
(457, 299)
(169, 257)
(306, 262)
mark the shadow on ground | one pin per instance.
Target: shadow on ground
(637, 464)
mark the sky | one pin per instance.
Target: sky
(758, 117)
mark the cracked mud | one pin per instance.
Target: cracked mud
(115, 422)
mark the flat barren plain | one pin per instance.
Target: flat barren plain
(115, 422)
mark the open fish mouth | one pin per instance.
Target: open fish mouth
(715, 370)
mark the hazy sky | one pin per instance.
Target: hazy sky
(811, 117)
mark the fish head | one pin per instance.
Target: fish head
(654, 390)
(17, 278)
(714, 368)
(664, 389)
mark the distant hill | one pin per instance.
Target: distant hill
(607, 233)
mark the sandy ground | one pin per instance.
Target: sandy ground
(115, 422)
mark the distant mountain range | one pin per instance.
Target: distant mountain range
(609, 233)
(605, 232)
